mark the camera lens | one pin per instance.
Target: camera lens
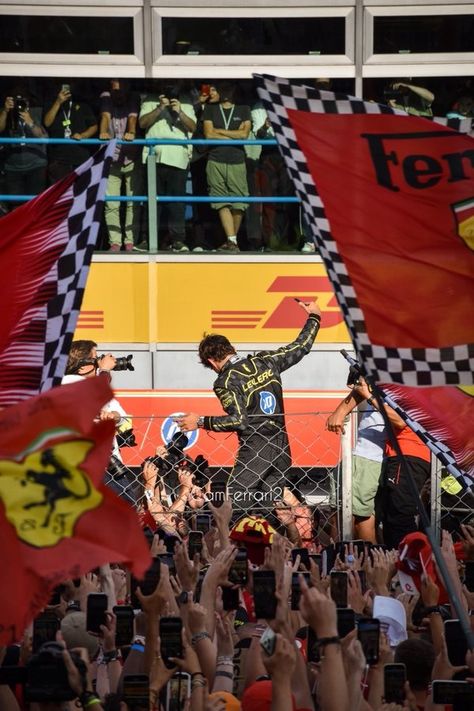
(124, 363)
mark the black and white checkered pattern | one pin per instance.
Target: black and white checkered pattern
(72, 267)
(409, 366)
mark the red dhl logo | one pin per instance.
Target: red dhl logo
(285, 315)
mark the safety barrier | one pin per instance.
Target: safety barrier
(318, 473)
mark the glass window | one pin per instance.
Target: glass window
(256, 35)
(423, 34)
(52, 34)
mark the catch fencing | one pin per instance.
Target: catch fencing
(319, 474)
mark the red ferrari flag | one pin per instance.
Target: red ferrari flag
(389, 199)
(45, 253)
(57, 518)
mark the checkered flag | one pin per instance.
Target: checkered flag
(402, 284)
(45, 253)
(448, 365)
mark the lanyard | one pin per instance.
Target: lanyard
(67, 115)
(225, 119)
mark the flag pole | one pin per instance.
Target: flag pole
(440, 562)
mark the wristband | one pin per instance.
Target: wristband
(197, 637)
(371, 401)
(138, 647)
(224, 659)
(197, 674)
(111, 656)
(432, 610)
(227, 675)
(324, 641)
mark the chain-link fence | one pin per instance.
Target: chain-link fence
(299, 465)
(450, 504)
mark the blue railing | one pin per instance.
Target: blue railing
(152, 198)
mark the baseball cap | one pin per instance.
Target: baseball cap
(256, 533)
(73, 628)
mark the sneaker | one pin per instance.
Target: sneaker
(228, 247)
(129, 247)
(179, 247)
(141, 247)
(114, 248)
(198, 249)
(308, 248)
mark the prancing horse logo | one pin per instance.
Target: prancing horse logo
(47, 492)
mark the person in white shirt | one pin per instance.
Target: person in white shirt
(366, 462)
(166, 116)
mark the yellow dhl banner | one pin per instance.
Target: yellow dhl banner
(178, 303)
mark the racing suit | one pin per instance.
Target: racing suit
(250, 392)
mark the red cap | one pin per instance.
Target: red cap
(256, 533)
(416, 557)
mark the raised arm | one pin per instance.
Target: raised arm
(289, 355)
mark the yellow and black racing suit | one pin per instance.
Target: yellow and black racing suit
(250, 391)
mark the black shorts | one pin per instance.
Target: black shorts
(395, 505)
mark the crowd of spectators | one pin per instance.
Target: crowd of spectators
(128, 110)
(241, 617)
(256, 609)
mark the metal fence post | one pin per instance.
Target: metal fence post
(346, 480)
(435, 496)
(152, 206)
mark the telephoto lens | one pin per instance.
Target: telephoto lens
(124, 363)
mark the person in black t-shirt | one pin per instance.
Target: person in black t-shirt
(68, 118)
(226, 171)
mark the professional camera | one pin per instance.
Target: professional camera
(202, 473)
(171, 92)
(354, 375)
(124, 363)
(391, 94)
(47, 677)
(20, 104)
(355, 369)
(175, 449)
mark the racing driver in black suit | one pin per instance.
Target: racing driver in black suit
(250, 391)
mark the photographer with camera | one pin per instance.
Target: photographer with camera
(167, 116)
(68, 117)
(415, 100)
(25, 164)
(83, 362)
(172, 481)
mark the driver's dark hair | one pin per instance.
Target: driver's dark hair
(216, 347)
